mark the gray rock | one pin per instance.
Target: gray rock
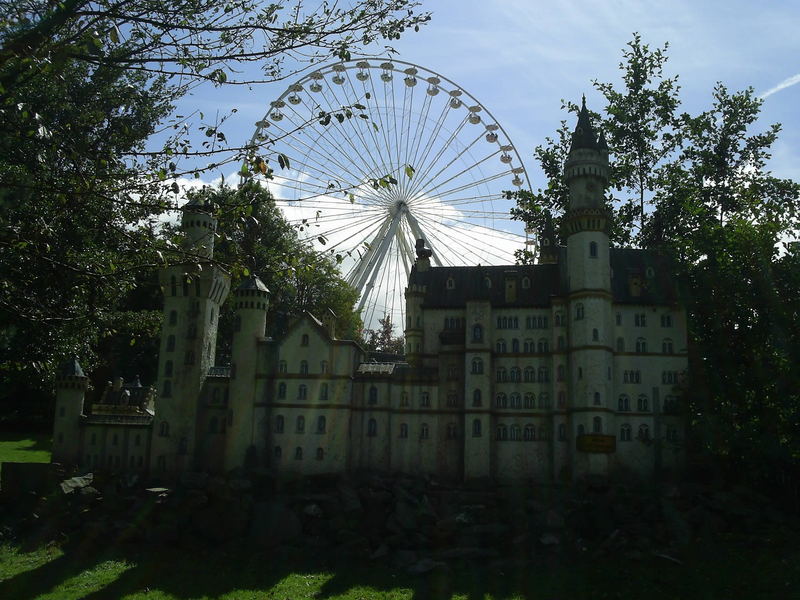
(273, 523)
(75, 483)
(405, 515)
(424, 566)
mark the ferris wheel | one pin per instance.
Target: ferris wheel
(376, 154)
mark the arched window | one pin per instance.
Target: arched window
(561, 342)
(528, 346)
(516, 433)
(321, 424)
(302, 392)
(562, 399)
(279, 424)
(303, 367)
(189, 358)
(173, 286)
(666, 346)
(625, 433)
(167, 391)
(323, 367)
(514, 374)
(403, 430)
(530, 374)
(173, 317)
(544, 376)
(300, 424)
(425, 399)
(515, 400)
(298, 453)
(620, 344)
(592, 249)
(504, 322)
(642, 403)
(185, 285)
(544, 400)
(323, 392)
(641, 345)
(501, 400)
(502, 432)
(452, 399)
(581, 430)
(501, 374)
(597, 399)
(404, 399)
(282, 366)
(477, 333)
(543, 433)
(373, 395)
(543, 346)
(597, 425)
(559, 319)
(451, 283)
(487, 283)
(595, 335)
(168, 369)
(163, 430)
(451, 433)
(424, 432)
(562, 432)
(579, 312)
(281, 390)
(477, 366)
(530, 401)
(624, 403)
(515, 345)
(476, 398)
(526, 283)
(213, 425)
(372, 428)
(476, 428)
(276, 452)
(501, 346)
(530, 433)
(171, 343)
(644, 432)
(304, 339)
(320, 454)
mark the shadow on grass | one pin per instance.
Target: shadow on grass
(21, 443)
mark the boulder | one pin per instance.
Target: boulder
(348, 497)
(68, 486)
(424, 565)
(273, 523)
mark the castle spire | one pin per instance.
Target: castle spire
(584, 136)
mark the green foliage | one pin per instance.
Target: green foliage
(383, 338)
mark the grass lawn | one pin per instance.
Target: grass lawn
(727, 570)
(25, 447)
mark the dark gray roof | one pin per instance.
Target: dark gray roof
(584, 136)
(638, 277)
(253, 283)
(71, 368)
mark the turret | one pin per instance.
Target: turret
(548, 242)
(414, 294)
(252, 300)
(71, 384)
(198, 224)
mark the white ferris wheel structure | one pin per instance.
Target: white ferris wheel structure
(381, 153)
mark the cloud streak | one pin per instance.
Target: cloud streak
(788, 82)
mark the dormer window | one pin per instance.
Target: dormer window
(304, 340)
(526, 283)
(592, 249)
(451, 283)
(487, 282)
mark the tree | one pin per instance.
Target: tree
(383, 338)
(84, 85)
(701, 193)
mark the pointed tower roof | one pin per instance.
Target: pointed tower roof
(199, 204)
(253, 283)
(601, 143)
(584, 136)
(71, 368)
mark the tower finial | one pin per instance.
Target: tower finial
(583, 101)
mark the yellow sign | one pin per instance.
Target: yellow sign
(596, 443)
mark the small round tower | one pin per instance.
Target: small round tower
(199, 225)
(71, 384)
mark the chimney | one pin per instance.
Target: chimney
(329, 320)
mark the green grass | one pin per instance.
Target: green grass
(730, 570)
(25, 447)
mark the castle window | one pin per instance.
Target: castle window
(526, 283)
(189, 358)
(173, 286)
(597, 425)
(595, 335)
(279, 424)
(476, 428)
(452, 399)
(530, 433)
(624, 403)
(451, 283)
(323, 367)
(529, 375)
(597, 399)
(276, 452)
(321, 424)
(502, 432)
(514, 374)
(672, 434)
(452, 372)
(403, 430)
(666, 320)
(163, 430)
(300, 424)
(642, 404)
(215, 396)
(619, 319)
(560, 373)
(281, 390)
(298, 453)
(529, 346)
(501, 400)
(477, 366)
(373, 395)
(404, 399)
(304, 340)
(559, 319)
(580, 372)
(487, 283)
(302, 392)
(544, 400)
(320, 454)
(620, 344)
(581, 430)
(666, 346)
(323, 392)
(530, 400)
(562, 432)
(625, 433)
(171, 343)
(543, 346)
(477, 333)
(515, 400)
(425, 399)
(561, 342)
(562, 399)
(640, 320)
(476, 398)
(303, 367)
(137, 441)
(501, 374)
(641, 345)
(424, 432)
(213, 425)
(115, 440)
(452, 431)
(501, 345)
(168, 369)
(173, 317)
(185, 285)
(592, 249)
(544, 375)
(544, 434)
(515, 345)
(282, 366)
(579, 312)
(516, 433)
(644, 433)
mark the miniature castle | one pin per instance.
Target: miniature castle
(543, 372)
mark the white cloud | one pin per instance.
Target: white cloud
(788, 82)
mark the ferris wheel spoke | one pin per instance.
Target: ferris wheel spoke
(465, 186)
(466, 240)
(419, 162)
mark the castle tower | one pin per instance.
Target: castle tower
(590, 301)
(548, 243)
(251, 322)
(415, 292)
(193, 292)
(71, 386)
